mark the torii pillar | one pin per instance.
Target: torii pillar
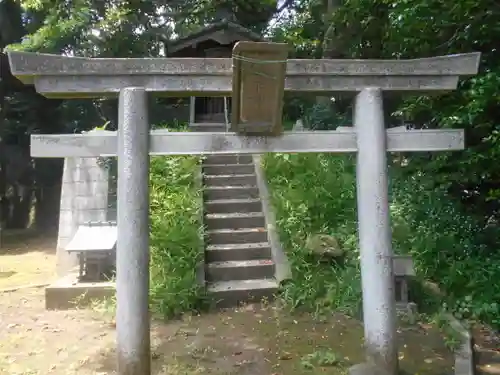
(56, 76)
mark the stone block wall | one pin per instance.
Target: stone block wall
(84, 197)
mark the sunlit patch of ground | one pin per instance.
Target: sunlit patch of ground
(27, 258)
(251, 340)
(255, 339)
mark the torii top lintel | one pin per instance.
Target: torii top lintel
(78, 77)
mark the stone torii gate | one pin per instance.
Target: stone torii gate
(131, 79)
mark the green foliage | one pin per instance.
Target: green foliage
(449, 246)
(316, 194)
(452, 338)
(323, 116)
(11, 27)
(176, 249)
(319, 117)
(320, 358)
(445, 206)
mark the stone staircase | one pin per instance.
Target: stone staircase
(487, 357)
(238, 260)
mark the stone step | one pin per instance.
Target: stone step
(231, 293)
(245, 251)
(230, 192)
(244, 235)
(233, 205)
(487, 361)
(231, 180)
(228, 159)
(240, 270)
(207, 127)
(224, 169)
(235, 220)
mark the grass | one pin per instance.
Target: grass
(449, 247)
(315, 194)
(175, 253)
(256, 339)
(176, 225)
(175, 231)
(175, 214)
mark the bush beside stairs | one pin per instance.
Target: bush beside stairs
(238, 258)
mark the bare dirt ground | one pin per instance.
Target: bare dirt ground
(26, 258)
(255, 339)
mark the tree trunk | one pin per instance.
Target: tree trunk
(48, 175)
(48, 172)
(333, 41)
(333, 48)
(336, 44)
(3, 174)
(21, 207)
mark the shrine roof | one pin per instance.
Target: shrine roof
(223, 32)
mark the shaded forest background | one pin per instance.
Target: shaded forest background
(315, 28)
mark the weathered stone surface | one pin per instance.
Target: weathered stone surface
(403, 265)
(71, 87)
(58, 76)
(324, 245)
(165, 143)
(67, 293)
(299, 126)
(464, 355)
(283, 269)
(367, 369)
(24, 64)
(84, 197)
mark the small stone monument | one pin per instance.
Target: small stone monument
(299, 126)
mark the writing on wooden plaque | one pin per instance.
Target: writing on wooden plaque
(259, 71)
